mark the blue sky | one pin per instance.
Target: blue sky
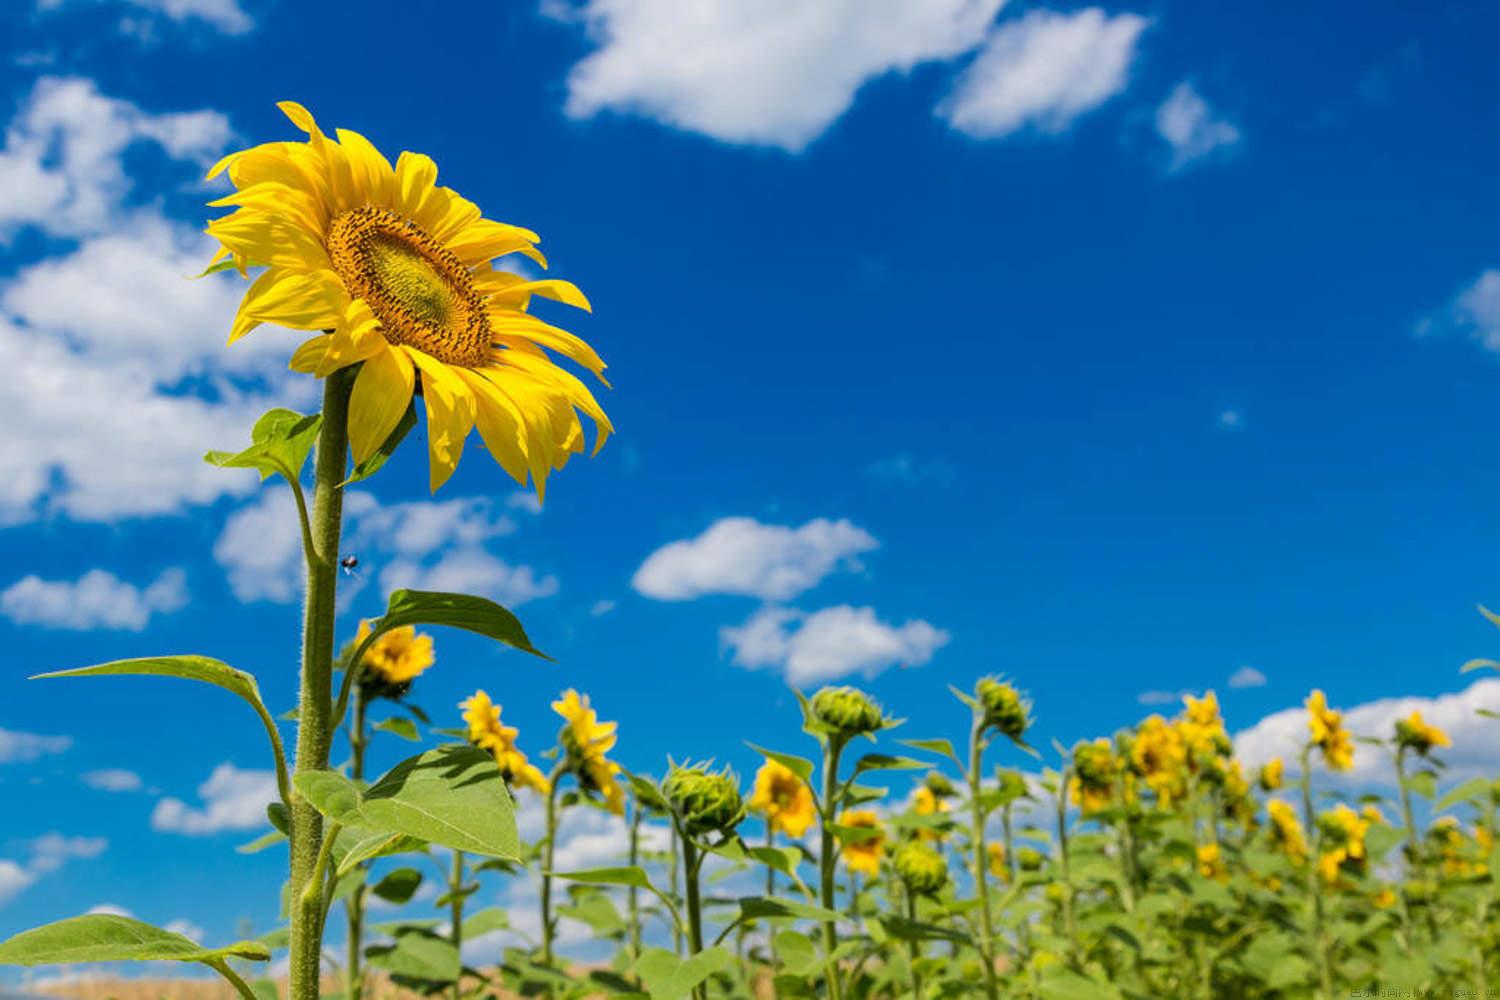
(1116, 349)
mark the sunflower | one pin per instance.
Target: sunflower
(482, 717)
(1094, 770)
(396, 273)
(995, 855)
(1328, 732)
(393, 660)
(863, 855)
(1272, 775)
(586, 740)
(783, 799)
(1286, 831)
(1158, 756)
(1211, 863)
(1343, 839)
(1415, 733)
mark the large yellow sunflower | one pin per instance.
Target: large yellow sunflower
(396, 272)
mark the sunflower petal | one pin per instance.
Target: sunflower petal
(372, 172)
(450, 415)
(500, 424)
(382, 391)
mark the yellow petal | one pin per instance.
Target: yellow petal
(301, 301)
(300, 116)
(450, 415)
(382, 392)
(500, 424)
(310, 355)
(372, 171)
(416, 176)
(510, 324)
(356, 338)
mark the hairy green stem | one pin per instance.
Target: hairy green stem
(677, 939)
(690, 864)
(1070, 923)
(456, 905)
(314, 732)
(914, 946)
(980, 849)
(1314, 880)
(355, 907)
(548, 852)
(633, 895)
(826, 859)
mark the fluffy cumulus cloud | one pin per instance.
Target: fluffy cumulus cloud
(233, 799)
(226, 16)
(1283, 733)
(740, 555)
(828, 644)
(1189, 126)
(48, 853)
(96, 600)
(1474, 313)
(758, 72)
(17, 747)
(1042, 71)
(100, 335)
(423, 544)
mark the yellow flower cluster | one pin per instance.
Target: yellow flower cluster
(1286, 830)
(1094, 770)
(999, 868)
(587, 741)
(1158, 756)
(482, 717)
(783, 799)
(864, 855)
(1342, 834)
(1328, 732)
(1414, 733)
(1458, 855)
(1211, 863)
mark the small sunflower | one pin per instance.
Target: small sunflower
(1342, 836)
(995, 856)
(1094, 769)
(864, 855)
(783, 799)
(482, 717)
(1416, 734)
(586, 741)
(396, 272)
(1158, 756)
(1286, 830)
(393, 660)
(1272, 775)
(1211, 863)
(1328, 733)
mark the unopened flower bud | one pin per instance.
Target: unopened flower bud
(1003, 708)
(847, 711)
(922, 869)
(707, 801)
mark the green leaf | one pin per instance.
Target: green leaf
(943, 747)
(357, 845)
(798, 954)
(631, 876)
(404, 728)
(262, 842)
(398, 886)
(855, 834)
(597, 912)
(1424, 783)
(102, 937)
(491, 918)
(265, 989)
(331, 794)
(1064, 984)
(1470, 790)
(800, 766)
(1480, 664)
(371, 465)
(473, 614)
(885, 762)
(453, 796)
(758, 907)
(418, 955)
(280, 443)
(668, 977)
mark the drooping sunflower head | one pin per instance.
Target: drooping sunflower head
(1158, 756)
(1326, 728)
(705, 801)
(482, 720)
(1416, 734)
(1095, 768)
(397, 275)
(586, 741)
(393, 660)
(1004, 708)
(1272, 775)
(863, 853)
(783, 799)
(1286, 831)
(923, 869)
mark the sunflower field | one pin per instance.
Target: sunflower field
(867, 862)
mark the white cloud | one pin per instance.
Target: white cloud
(739, 555)
(61, 170)
(602, 608)
(1231, 420)
(1189, 126)
(1247, 677)
(186, 928)
(829, 644)
(757, 72)
(1283, 733)
(233, 799)
(1476, 312)
(49, 852)
(226, 16)
(1161, 697)
(426, 545)
(112, 780)
(110, 909)
(1043, 71)
(98, 599)
(25, 747)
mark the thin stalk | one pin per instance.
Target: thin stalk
(355, 907)
(1413, 848)
(677, 938)
(314, 731)
(1023, 931)
(914, 947)
(977, 745)
(1482, 918)
(690, 863)
(1070, 924)
(456, 902)
(1314, 880)
(548, 852)
(770, 893)
(240, 986)
(633, 895)
(826, 859)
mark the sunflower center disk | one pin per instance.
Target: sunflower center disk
(420, 291)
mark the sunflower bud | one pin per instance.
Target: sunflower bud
(707, 801)
(1003, 708)
(1012, 785)
(1030, 859)
(922, 869)
(938, 784)
(848, 711)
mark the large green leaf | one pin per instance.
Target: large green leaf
(757, 907)
(596, 911)
(473, 614)
(885, 762)
(667, 977)
(632, 876)
(101, 937)
(398, 886)
(800, 766)
(943, 747)
(280, 443)
(491, 918)
(418, 955)
(453, 796)
(1473, 789)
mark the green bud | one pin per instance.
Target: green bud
(922, 869)
(847, 711)
(1003, 708)
(707, 801)
(1030, 859)
(1012, 785)
(939, 785)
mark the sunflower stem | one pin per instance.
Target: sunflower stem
(314, 729)
(548, 853)
(355, 908)
(981, 854)
(691, 860)
(826, 859)
(456, 892)
(1314, 881)
(633, 895)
